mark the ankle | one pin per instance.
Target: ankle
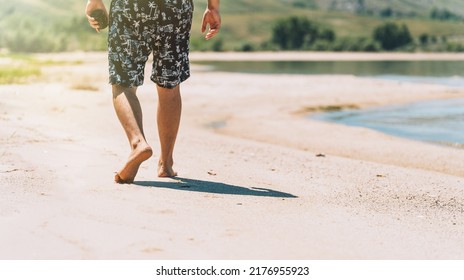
(136, 143)
(166, 163)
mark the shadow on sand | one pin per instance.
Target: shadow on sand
(192, 185)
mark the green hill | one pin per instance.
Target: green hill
(406, 7)
(60, 25)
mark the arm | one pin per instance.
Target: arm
(93, 5)
(213, 18)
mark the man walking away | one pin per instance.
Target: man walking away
(138, 28)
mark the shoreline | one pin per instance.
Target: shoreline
(248, 162)
(324, 56)
(275, 56)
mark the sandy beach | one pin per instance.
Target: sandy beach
(257, 178)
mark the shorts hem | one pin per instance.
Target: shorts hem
(169, 85)
(126, 85)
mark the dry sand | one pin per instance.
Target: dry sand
(251, 185)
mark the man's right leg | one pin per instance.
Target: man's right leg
(129, 112)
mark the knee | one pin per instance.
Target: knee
(169, 93)
(118, 90)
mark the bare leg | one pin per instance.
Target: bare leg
(129, 112)
(169, 112)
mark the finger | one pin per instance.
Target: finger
(95, 26)
(91, 19)
(212, 32)
(203, 27)
(210, 35)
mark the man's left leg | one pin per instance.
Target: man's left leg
(169, 113)
(170, 69)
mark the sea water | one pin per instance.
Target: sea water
(439, 121)
(438, 69)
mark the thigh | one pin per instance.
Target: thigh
(171, 45)
(128, 47)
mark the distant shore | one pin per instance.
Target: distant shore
(278, 56)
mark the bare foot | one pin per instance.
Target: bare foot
(165, 170)
(127, 174)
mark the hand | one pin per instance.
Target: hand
(93, 5)
(213, 18)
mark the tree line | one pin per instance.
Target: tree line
(299, 33)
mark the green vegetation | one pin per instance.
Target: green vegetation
(46, 26)
(17, 75)
(249, 25)
(392, 36)
(329, 108)
(301, 34)
(443, 14)
(17, 69)
(22, 68)
(296, 33)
